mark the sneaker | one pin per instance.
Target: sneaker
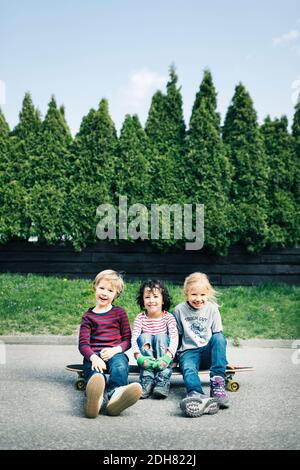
(218, 391)
(94, 395)
(195, 404)
(123, 397)
(147, 384)
(161, 389)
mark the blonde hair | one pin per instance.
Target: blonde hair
(201, 279)
(113, 277)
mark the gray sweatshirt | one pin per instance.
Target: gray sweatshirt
(197, 325)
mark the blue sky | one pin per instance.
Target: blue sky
(81, 51)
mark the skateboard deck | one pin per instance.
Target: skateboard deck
(231, 384)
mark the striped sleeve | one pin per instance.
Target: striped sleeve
(173, 333)
(137, 330)
(85, 336)
(125, 331)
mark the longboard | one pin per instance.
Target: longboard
(231, 384)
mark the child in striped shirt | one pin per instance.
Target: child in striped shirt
(154, 339)
(103, 339)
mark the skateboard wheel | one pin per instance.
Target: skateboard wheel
(232, 386)
(80, 384)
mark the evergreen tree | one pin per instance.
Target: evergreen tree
(282, 208)
(29, 124)
(242, 136)
(13, 199)
(5, 214)
(92, 181)
(4, 157)
(132, 171)
(55, 138)
(24, 141)
(165, 128)
(207, 169)
(296, 145)
(133, 164)
(48, 195)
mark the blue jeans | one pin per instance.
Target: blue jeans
(156, 346)
(212, 356)
(117, 367)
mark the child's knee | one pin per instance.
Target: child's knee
(145, 338)
(145, 343)
(121, 367)
(219, 338)
(188, 366)
(161, 342)
(161, 337)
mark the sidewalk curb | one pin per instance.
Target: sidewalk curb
(73, 340)
(40, 339)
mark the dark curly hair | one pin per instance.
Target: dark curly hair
(154, 284)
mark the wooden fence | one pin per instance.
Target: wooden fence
(140, 261)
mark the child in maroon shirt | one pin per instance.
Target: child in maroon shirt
(103, 338)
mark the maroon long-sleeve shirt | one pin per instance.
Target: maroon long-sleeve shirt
(104, 330)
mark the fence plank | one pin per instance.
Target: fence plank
(140, 260)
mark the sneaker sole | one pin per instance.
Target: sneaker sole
(223, 404)
(131, 395)
(94, 395)
(146, 393)
(144, 396)
(192, 407)
(158, 394)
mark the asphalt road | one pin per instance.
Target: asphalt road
(40, 408)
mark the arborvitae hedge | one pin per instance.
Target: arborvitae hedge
(244, 143)
(49, 191)
(296, 148)
(132, 169)
(248, 177)
(24, 141)
(165, 128)
(92, 174)
(283, 210)
(207, 168)
(6, 231)
(296, 156)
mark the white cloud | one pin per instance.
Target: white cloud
(142, 84)
(290, 36)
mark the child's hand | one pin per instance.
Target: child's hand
(97, 363)
(108, 353)
(146, 362)
(162, 362)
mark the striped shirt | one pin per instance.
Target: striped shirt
(104, 330)
(165, 324)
